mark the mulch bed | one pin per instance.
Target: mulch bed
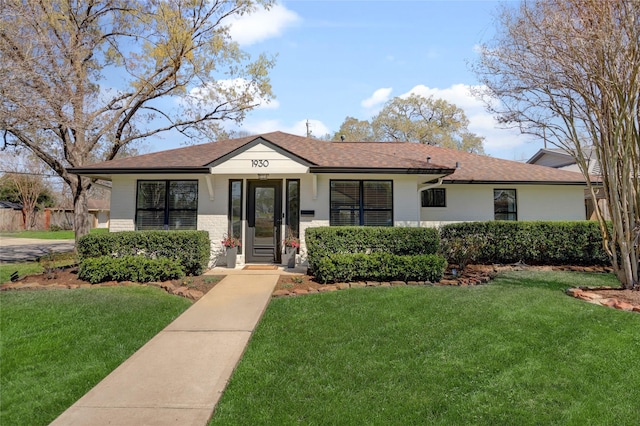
(190, 287)
(618, 298)
(292, 285)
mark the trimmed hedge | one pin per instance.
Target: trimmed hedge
(129, 268)
(379, 267)
(349, 253)
(324, 241)
(534, 243)
(191, 249)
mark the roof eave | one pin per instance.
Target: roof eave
(515, 182)
(381, 170)
(98, 172)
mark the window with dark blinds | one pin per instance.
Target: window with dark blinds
(293, 207)
(434, 197)
(167, 204)
(505, 204)
(235, 211)
(361, 203)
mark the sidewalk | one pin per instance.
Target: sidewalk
(25, 249)
(178, 377)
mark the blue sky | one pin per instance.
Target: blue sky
(346, 58)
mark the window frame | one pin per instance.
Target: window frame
(361, 209)
(512, 215)
(292, 223)
(424, 198)
(166, 211)
(230, 211)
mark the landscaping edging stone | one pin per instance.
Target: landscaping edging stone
(588, 295)
(470, 276)
(477, 275)
(181, 291)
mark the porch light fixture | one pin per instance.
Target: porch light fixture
(263, 176)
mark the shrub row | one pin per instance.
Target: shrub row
(534, 243)
(129, 268)
(325, 241)
(190, 249)
(379, 267)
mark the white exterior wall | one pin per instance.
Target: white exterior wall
(103, 219)
(212, 214)
(123, 203)
(213, 196)
(259, 159)
(467, 203)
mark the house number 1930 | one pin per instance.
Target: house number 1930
(259, 163)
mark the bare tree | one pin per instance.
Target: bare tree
(24, 177)
(80, 81)
(569, 71)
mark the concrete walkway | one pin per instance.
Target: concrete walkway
(178, 377)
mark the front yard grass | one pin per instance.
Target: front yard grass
(516, 351)
(56, 345)
(50, 235)
(54, 260)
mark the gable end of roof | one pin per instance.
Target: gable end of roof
(257, 141)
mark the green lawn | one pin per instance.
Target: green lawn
(515, 352)
(49, 235)
(56, 345)
(54, 260)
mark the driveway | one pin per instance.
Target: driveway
(24, 249)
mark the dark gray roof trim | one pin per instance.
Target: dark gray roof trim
(515, 182)
(137, 171)
(371, 170)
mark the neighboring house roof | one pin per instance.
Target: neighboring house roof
(93, 204)
(322, 156)
(10, 205)
(560, 158)
(99, 204)
(552, 157)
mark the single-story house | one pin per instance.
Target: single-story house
(62, 216)
(561, 159)
(261, 188)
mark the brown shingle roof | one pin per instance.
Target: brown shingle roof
(351, 156)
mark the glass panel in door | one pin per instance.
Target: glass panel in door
(265, 211)
(264, 214)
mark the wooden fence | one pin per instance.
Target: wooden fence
(15, 220)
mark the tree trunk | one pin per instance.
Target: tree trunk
(79, 189)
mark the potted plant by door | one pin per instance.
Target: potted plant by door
(231, 244)
(291, 246)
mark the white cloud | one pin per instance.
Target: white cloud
(317, 127)
(458, 94)
(378, 98)
(262, 24)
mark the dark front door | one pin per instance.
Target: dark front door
(264, 214)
